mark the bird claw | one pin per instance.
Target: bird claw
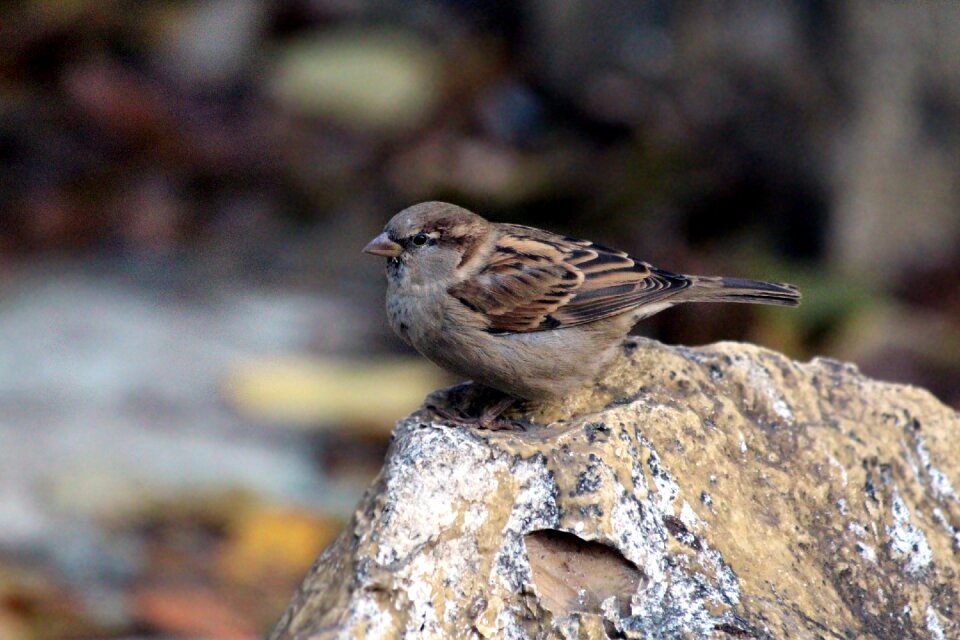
(489, 420)
(453, 415)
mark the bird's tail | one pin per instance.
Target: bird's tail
(708, 289)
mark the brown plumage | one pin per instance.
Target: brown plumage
(536, 280)
(529, 312)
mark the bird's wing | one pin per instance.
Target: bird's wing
(535, 280)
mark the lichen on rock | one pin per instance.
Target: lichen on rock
(715, 492)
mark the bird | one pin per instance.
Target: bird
(532, 314)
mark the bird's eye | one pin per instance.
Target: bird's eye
(420, 239)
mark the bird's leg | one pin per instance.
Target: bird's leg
(488, 419)
(449, 413)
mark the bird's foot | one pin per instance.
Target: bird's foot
(490, 419)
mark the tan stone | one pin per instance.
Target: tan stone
(716, 492)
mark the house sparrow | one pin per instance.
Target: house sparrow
(527, 312)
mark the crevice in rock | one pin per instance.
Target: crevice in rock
(573, 575)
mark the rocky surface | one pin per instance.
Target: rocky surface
(715, 492)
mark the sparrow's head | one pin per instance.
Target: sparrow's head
(429, 242)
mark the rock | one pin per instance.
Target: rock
(715, 492)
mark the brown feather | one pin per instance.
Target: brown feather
(535, 280)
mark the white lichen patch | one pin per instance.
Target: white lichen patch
(954, 532)
(366, 613)
(933, 625)
(667, 490)
(689, 517)
(760, 380)
(635, 533)
(939, 482)
(907, 542)
(475, 516)
(782, 409)
(674, 600)
(941, 485)
(421, 612)
(430, 475)
(534, 508)
(867, 552)
(438, 481)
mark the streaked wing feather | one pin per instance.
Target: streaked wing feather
(535, 280)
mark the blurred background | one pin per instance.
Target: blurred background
(196, 377)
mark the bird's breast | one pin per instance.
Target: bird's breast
(416, 316)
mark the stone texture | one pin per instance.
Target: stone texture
(716, 492)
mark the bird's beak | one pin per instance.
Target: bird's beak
(383, 246)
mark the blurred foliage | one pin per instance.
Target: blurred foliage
(321, 391)
(195, 179)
